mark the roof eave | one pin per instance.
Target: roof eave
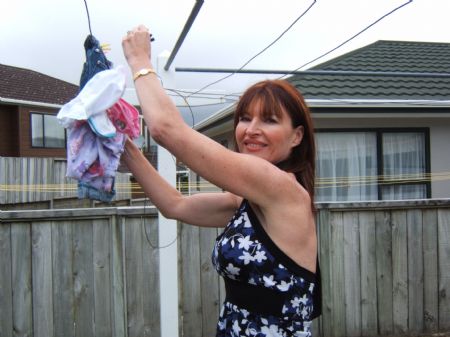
(338, 103)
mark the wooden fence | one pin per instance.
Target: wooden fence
(29, 180)
(81, 272)
(93, 272)
(385, 271)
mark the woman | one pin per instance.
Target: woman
(267, 253)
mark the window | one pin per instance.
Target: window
(372, 165)
(46, 131)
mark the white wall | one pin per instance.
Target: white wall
(439, 139)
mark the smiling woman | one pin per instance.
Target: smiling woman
(267, 252)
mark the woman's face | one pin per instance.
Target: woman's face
(267, 136)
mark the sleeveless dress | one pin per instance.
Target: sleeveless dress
(267, 293)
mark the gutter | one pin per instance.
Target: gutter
(33, 103)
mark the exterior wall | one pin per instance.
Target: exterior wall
(439, 141)
(25, 148)
(9, 132)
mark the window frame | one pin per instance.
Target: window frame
(379, 146)
(44, 146)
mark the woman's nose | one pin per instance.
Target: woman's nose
(253, 127)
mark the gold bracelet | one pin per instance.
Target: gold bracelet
(143, 72)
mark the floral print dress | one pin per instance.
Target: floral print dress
(267, 293)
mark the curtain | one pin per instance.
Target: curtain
(403, 164)
(346, 167)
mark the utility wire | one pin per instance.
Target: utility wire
(262, 51)
(309, 62)
(351, 38)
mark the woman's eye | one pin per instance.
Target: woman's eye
(244, 118)
(271, 120)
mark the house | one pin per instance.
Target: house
(382, 120)
(29, 102)
(33, 143)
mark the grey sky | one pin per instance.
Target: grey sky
(47, 35)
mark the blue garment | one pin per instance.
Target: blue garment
(96, 60)
(267, 293)
(93, 181)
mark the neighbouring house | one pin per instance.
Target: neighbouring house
(382, 120)
(29, 102)
(33, 143)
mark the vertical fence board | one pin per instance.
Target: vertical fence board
(83, 279)
(191, 295)
(352, 273)
(118, 276)
(151, 277)
(63, 300)
(21, 279)
(3, 180)
(430, 270)
(444, 269)
(6, 293)
(337, 277)
(134, 277)
(102, 282)
(36, 172)
(83, 273)
(23, 167)
(10, 174)
(369, 318)
(209, 283)
(399, 271)
(42, 279)
(415, 271)
(324, 226)
(383, 243)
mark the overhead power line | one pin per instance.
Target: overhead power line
(291, 72)
(262, 51)
(351, 38)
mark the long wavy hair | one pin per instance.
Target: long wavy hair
(275, 95)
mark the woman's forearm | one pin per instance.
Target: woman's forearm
(157, 189)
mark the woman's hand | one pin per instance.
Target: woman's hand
(137, 48)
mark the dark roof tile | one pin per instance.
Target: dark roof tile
(28, 85)
(383, 70)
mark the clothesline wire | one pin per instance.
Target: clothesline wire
(349, 39)
(260, 52)
(325, 181)
(313, 60)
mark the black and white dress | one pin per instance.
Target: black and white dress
(267, 293)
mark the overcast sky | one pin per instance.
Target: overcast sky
(48, 35)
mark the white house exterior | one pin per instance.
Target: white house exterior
(382, 121)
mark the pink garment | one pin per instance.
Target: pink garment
(125, 118)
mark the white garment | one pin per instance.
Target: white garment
(100, 93)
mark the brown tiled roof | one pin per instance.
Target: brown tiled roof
(28, 85)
